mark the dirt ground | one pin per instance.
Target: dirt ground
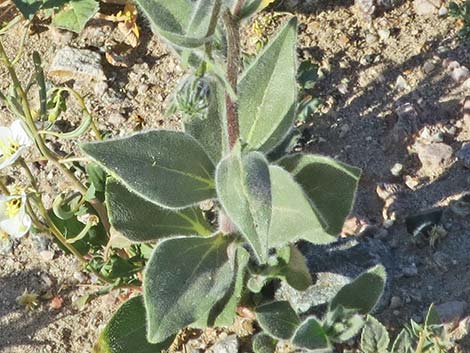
(369, 78)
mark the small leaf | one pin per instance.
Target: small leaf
(126, 331)
(310, 335)
(96, 176)
(174, 171)
(28, 8)
(432, 317)
(293, 216)
(342, 324)
(184, 23)
(278, 319)
(374, 338)
(364, 292)
(210, 130)
(244, 190)
(75, 15)
(329, 184)
(403, 343)
(294, 268)
(141, 220)
(263, 343)
(183, 281)
(267, 92)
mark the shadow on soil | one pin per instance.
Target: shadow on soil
(18, 325)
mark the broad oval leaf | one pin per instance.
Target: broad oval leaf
(141, 220)
(169, 168)
(267, 92)
(311, 335)
(330, 185)
(184, 279)
(126, 331)
(263, 343)
(374, 338)
(244, 190)
(278, 319)
(293, 217)
(364, 292)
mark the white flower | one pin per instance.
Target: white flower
(14, 221)
(13, 141)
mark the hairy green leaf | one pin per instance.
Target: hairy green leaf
(293, 217)
(211, 130)
(311, 335)
(140, 220)
(234, 294)
(184, 279)
(267, 92)
(364, 292)
(293, 268)
(263, 343)
(244, 190)
(166, 167)
(126, 331)
(342, 324)
(432, 317)
(403, 343)
(329, 184)
(374, 338)
(184, 23)
(75, 15)
(28, 8)
(277, 319)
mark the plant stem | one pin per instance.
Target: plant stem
(45, 151)
(58, 235)
(232, 24)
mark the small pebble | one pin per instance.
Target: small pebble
(428, 67)
(395, 302)
(397, 169)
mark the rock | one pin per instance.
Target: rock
(401, 83)
(464, 154)
(434, 157)
(371, 38)
(384, 33)
(395, 303)
(451, 312)
(100, 88)
(117, 119)
(411, 183)
(335, 265)
(78, 64)
(47, 255)
(426, 7)
(443, 11)
(428, 67)
(460, 74)
(397, 169)
(344, 130)
(410, 271)
(406, 125)
(227, 345)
